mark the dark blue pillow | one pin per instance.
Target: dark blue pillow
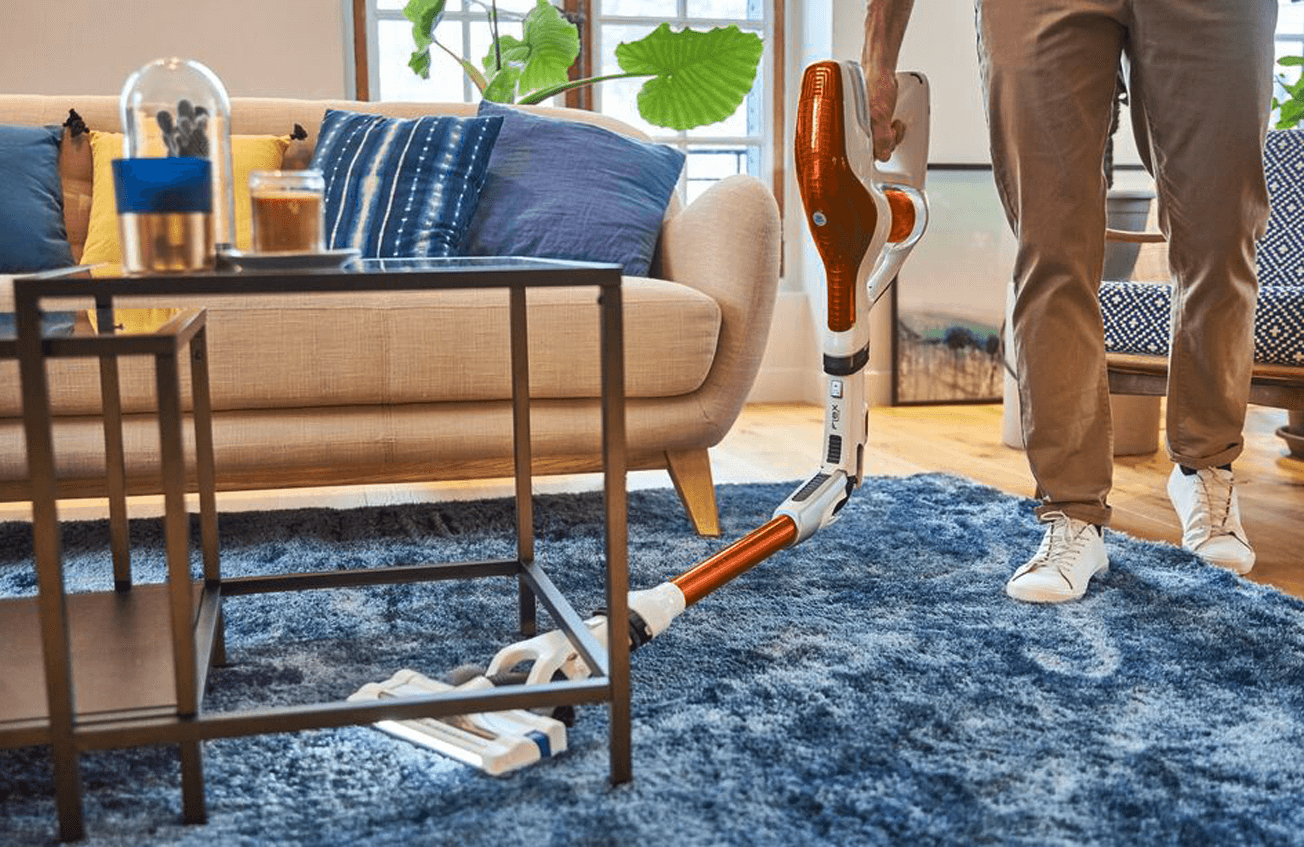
(568, 190)
(32, 233)
(398, 188)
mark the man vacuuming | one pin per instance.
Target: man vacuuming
(1200, 86)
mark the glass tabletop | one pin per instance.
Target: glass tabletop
(353, 274)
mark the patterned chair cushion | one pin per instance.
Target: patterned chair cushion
(1137, 313)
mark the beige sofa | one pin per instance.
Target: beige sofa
(405, 387)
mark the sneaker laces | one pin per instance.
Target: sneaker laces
(1061, 547)
(1213, 509)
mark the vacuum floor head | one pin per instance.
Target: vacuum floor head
(495, 742)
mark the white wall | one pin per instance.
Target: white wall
(270, 48)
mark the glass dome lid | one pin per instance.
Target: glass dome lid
(178, 107)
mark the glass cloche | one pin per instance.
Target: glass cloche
(176, 107)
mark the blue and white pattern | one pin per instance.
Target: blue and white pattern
(1137, 314)
(1281, 250)
(398, 188)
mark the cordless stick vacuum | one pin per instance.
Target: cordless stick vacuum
(864, 216)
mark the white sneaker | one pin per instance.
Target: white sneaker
(1071, 553)
(1211, 517)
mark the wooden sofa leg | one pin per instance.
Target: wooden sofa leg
(690, 470)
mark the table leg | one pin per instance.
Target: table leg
(176, 524)
(206, 478)
(614, 463)
(115, 472)
(49, 572)
(521, 443)
(205, 473)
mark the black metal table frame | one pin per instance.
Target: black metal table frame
(190, 725)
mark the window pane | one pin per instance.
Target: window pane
(619, 97)
(397, 81)
(641, 8)
(515, 8)
(482, 41)
(1290, 19)
(747, 10)
(706, 165)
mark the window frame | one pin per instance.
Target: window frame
(581, 12)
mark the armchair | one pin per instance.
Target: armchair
(1136, 314)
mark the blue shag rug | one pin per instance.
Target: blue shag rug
(871, 686)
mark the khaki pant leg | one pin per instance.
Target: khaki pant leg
(1201, 86)
(1049, 72)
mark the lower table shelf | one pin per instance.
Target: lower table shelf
(122, 664)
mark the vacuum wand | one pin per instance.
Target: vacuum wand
(864, 217)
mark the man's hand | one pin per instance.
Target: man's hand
(881, 92)
(885, 27)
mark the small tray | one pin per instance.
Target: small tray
(323, 260)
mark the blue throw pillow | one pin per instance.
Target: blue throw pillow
(567, 190)
(32, 233)
(398, 188)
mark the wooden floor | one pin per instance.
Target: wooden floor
(781, 443)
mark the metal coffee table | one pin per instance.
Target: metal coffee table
(197, 640)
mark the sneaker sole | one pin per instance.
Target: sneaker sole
(1238, 568)
(1046, 595)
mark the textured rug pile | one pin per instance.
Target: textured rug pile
(871, 686)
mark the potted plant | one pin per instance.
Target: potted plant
(695, 78)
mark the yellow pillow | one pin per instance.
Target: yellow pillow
(248, 153)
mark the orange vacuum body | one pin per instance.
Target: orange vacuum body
(840, 211)
(845, 211)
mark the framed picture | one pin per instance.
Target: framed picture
(949, 302)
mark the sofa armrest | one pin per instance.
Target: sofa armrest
(726, 245)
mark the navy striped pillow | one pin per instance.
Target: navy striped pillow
(399, 187)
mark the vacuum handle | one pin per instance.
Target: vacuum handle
(908, 164)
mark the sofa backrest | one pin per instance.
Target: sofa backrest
(249, 116)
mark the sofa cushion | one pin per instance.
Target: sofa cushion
(33, 237)
(76, 169)
(399, 188)
(568, 190)
(248, 153)
(399, 348)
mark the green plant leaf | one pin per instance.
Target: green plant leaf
(1291, 113)
(425, 15)
(698, 78)
(548, 47)
(1287, 61)
(502, 84)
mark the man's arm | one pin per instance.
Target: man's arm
(885, 29)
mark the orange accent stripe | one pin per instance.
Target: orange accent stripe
(903, 215)
(737, 558)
